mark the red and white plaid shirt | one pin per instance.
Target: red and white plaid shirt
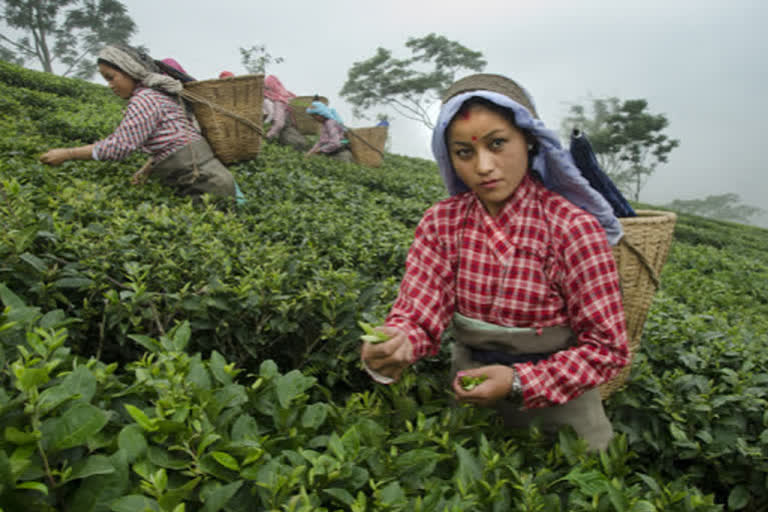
(541, 262)
(154, 122)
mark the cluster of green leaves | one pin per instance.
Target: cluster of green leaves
(173, 431)
(696, 402)
(135, 274)
(409, 86)
(280, 278)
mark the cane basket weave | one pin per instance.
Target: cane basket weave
(229, 111)
(640, 256)
(367, 144)
(491, 82)
(305, 123)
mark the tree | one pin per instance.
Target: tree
(724, 207)
(409, 86)
(54, 34)
(256, 59)
(627, 139)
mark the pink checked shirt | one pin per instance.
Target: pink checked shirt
(153, 122)
(541, 262)
(281, 114)
(331, 137)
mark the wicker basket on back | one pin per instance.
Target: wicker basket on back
(305, 123)
(367, 144)
(229, 111)
(640, 256)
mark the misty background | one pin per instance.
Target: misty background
(700, 63)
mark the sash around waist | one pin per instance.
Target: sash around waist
(490, 343)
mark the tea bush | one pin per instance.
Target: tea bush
(163, 356)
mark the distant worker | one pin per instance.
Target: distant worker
(332, 141)
(226, 74)
(156, 122)
(278, 111)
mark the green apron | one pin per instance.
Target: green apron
(194, 170)
(584, 413)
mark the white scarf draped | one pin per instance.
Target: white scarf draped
(141, 68)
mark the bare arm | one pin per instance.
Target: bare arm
(60, 155)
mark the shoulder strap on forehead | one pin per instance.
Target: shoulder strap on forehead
(493, 83)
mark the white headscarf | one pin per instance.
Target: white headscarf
(140, 67)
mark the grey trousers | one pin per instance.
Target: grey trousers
(194, 170)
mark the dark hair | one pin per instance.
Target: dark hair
(111, 65)
(173, 72)
(506, 113)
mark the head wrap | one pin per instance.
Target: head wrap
(554, 164)
(276, 91)
(174, 64)
(140, 67)
(320, 108)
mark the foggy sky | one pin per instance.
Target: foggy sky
(702, 63)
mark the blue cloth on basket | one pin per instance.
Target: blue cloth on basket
(239, 196)
(554, 164)
(585, 159)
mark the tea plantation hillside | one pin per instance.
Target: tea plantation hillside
(162, 356)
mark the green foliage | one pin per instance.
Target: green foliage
(66, 36)
(409, 86)
(163, 356)
(175, 431)
(627, 139)
(722, 206)
(256, 59)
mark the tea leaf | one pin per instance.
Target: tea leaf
(75, 427)
(132, 442)
(226, 460)
(93, 465)
(215, 500)
(135, 503)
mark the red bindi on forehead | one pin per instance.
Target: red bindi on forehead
(474, 138)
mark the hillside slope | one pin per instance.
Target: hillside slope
(318, 246)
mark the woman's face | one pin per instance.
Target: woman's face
(489, 153)
(120, 83)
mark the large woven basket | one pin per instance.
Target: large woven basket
(305, 123)
(229, 111)
(367, 144)
(640, 256)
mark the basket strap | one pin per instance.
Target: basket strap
(651, 272)
(352, 131)
(218, 108)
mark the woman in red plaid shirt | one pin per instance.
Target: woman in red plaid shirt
(156, 122)
(519, 259)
